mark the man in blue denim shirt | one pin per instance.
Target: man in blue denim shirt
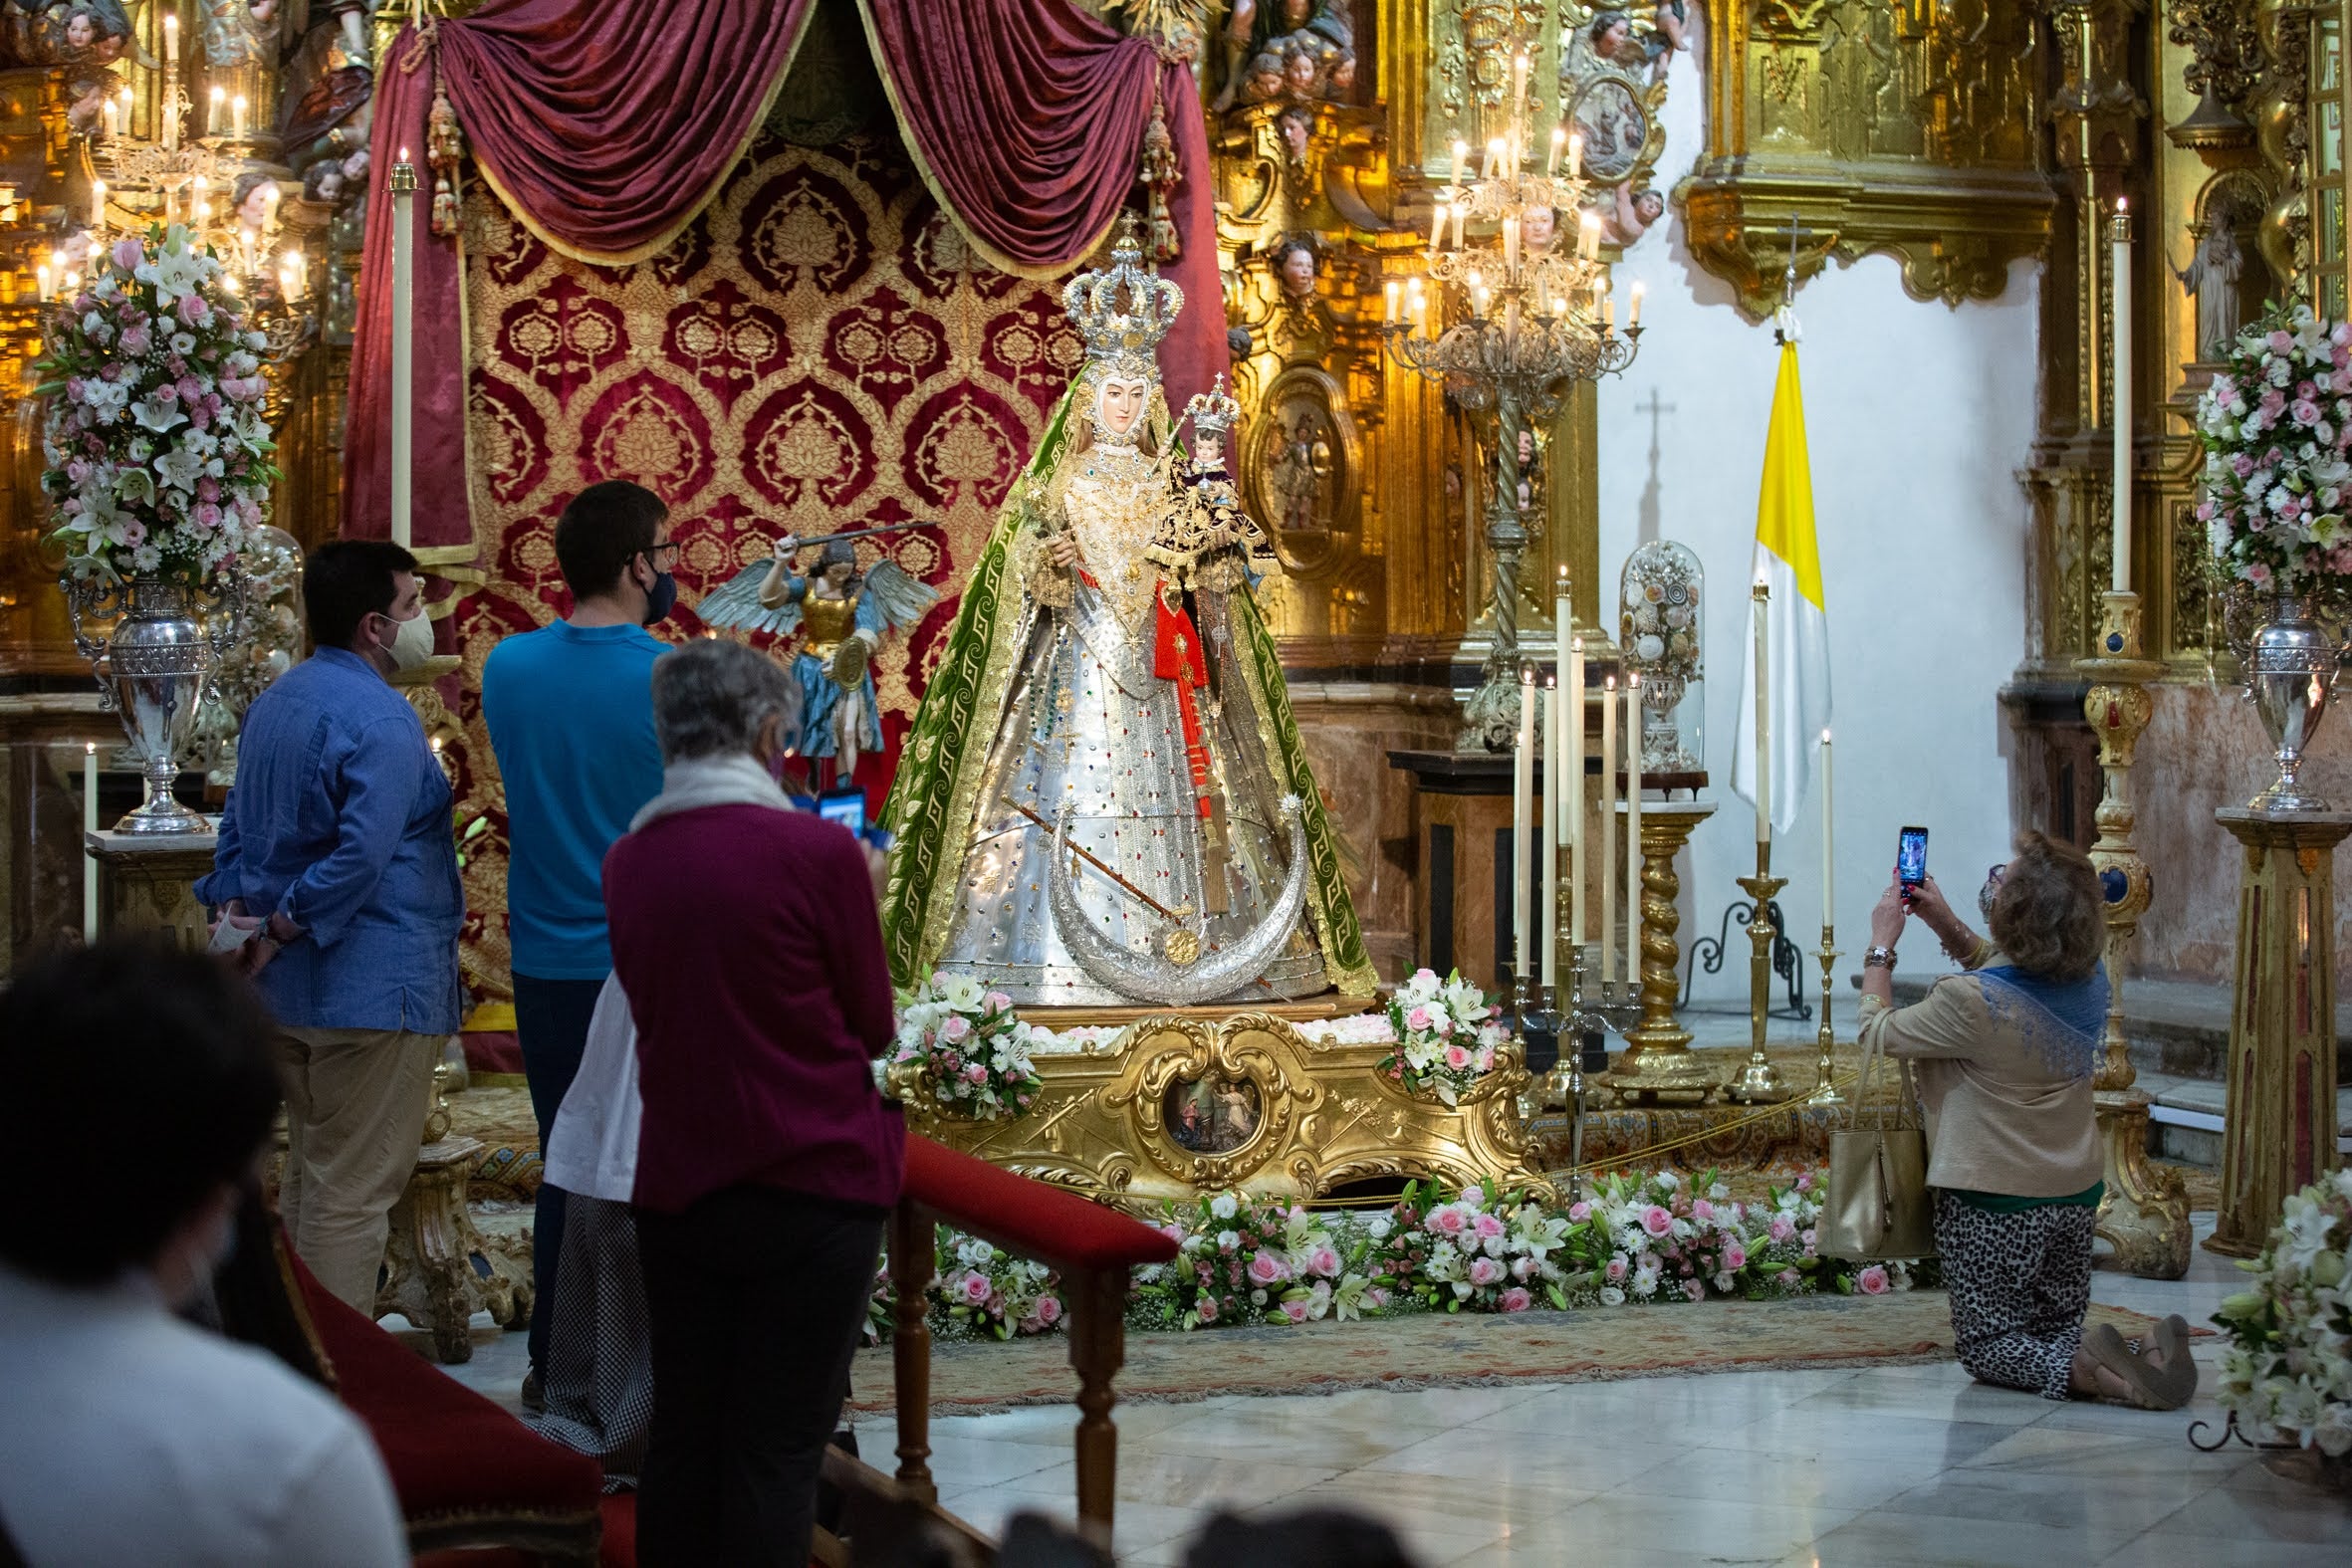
(337, 852)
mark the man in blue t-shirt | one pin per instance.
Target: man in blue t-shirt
(571, 714)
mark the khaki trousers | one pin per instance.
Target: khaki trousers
(356, 1107)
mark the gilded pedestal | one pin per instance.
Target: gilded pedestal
(2145, 1213)
(2280, 1132)
(1659, 1066)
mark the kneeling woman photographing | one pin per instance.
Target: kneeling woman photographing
(2004, 1055)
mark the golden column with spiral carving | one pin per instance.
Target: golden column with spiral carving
(1659, 1064)
(2145, 1213)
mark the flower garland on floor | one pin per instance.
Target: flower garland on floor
(1638, 1240)
(2287, 1371)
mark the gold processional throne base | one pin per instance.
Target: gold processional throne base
(1264, 1100)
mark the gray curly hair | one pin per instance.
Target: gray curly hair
(713, 697)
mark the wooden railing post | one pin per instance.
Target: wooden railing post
(1097, 1349)
(914, 1258)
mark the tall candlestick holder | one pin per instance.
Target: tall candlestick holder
(1581, 1020)
(2145, 1213)
(1759, 1082)
(1825, 1085)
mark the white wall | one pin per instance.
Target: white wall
(1919, 418)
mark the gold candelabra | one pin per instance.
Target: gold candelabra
(1825, 1087)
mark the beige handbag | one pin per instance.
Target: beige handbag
(1878, 1206)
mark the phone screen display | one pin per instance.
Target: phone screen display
(845, 806)
(1911, 858)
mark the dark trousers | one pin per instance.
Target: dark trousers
(754, 1297)
(551, 1025)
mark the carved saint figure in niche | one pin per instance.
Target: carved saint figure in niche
(1300, 473)
(2211, 279)
(326, 108)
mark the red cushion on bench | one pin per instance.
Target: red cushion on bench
(1026, 1216)
(451, 1453)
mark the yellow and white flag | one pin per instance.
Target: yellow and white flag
(1795, 618)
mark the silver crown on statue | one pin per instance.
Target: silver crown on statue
(1214, 411)
(1123, 311)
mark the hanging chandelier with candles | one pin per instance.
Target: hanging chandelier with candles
(1508, 313)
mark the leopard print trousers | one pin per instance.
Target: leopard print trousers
(2019, 1286)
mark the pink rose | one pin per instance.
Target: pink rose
(955, 1028)
(1267, 1269)
(1447, 1220)
(1702, 1209)
(1872, 1282)
(1789, 1277)
(1049, 1310)
(1325, 1261)
(1418, 1019)
(1457, 1057)
(1579, 1212)
(194, 310)
(996, 1001)
(1657, 1221)
(128, 253)
(1376, 1296)
(1804, 1183)
(137, 340)
(2281, 342)
(976, 1073)
(1692, 1290)
(1208, 1309)
(1484, 1271)
(976, 1290)
(1514, 1300)
(1616, 1269)
(1782, 1227)
(1488, 1226)
(1296, 1311)
(1735, 1256)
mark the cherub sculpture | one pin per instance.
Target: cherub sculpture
(843, 614)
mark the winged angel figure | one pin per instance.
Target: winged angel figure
(1103, 800)
(845, 613)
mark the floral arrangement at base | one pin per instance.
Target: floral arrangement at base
(158, 457)
(2277, 424)
(1446, 1036)
(2286, 1374)
(966, 1047)
(1655, 1238)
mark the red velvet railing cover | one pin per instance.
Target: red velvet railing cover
(1026, 1217)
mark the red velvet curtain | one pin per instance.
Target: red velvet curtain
(607, 124)
(1026, 118)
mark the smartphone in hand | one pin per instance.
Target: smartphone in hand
(1911, 859)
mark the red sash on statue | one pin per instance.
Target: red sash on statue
(1176, 656)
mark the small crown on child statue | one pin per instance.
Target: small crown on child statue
(1213, 413)
(1123, 311)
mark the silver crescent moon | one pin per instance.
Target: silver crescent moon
(1217, 974)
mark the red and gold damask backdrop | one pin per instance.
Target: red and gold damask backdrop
(821, 350)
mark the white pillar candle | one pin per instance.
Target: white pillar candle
(1608, 829)
(1509, 248)
(237, 106)
(1633, 313)
(1763, 721)
(97, 207)
(1828, 842)
(1461, 211)
(1575, 154)
(171, 37)
(1633, 828)
(404, 359)
(108, 119)
(1437, 224)
(213, 118)
(1572, 702)
(89, 860)
(1395, 300)
(1523, 819)
(2120, 412)
(1559, 143)
(1575, 706)
(1553, 770)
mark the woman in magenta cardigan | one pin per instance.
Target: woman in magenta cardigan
(748, 941)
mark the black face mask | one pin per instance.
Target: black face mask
(662, 599)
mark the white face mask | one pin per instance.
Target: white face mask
(412, 641)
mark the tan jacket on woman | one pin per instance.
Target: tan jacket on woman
(1999, 1118)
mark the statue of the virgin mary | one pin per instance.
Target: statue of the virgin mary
(1103, 800)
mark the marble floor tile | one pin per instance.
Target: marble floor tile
(1839, 1481)
(1520, 1460)
(1291, 1435)
(1883, 1437)
(2257, 1512)
(1880, 1539)
(1137, 1526)
(2161, 1548)
(1448, 1502)
(2101, 1506)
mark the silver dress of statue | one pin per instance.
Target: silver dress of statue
(2211, 277)
(1195, 853)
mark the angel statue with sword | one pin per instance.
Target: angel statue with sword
(843, 614)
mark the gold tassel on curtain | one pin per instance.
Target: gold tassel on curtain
(1158, 176)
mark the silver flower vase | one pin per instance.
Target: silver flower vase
(154, 664)
(2290, 672)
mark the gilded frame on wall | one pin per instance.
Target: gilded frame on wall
(1321, 1116)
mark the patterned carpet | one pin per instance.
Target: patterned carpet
(1440, 1351)
(499, 1115)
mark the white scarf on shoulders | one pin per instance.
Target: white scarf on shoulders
(592, 1148)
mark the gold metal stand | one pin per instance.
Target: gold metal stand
(2145, 1214)
(1659, 1066)
(1825, 1087)
(2280, 1127)
(1759, 1082)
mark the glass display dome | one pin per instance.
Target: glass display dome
(1660, 632)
